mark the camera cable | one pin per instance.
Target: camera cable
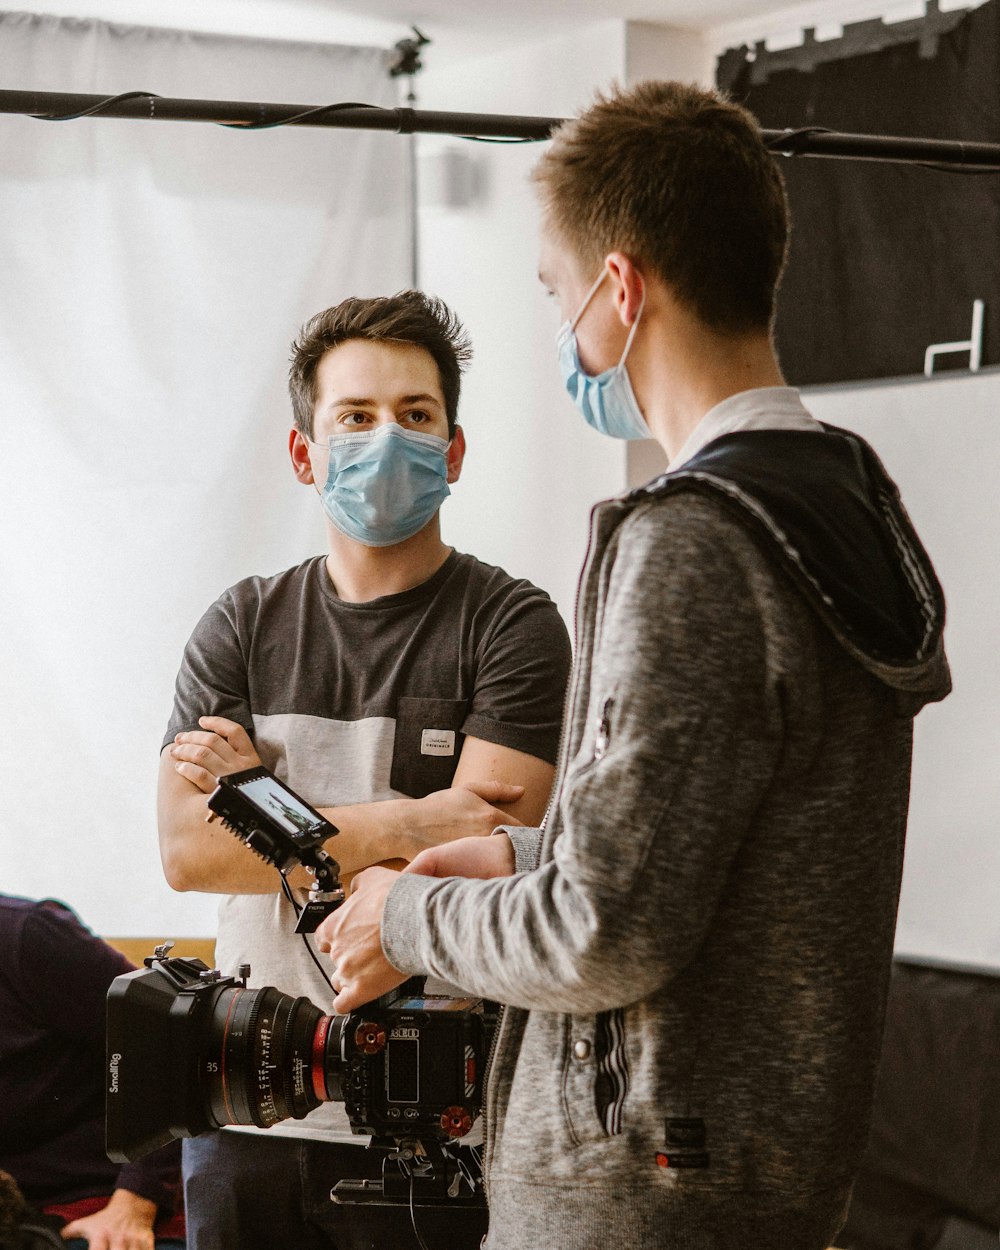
(287, 891)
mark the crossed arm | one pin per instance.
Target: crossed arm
(199, 856)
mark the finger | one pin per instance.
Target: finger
(235, 734)
(216, 757)
(202, 737)
(348, 998)
(369, 878)
(424, 864)
(201, 777)
(495, 791)
(186, 743)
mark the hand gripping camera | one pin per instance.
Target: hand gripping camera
(190, 1050)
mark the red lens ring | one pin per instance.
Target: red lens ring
(319, 1058)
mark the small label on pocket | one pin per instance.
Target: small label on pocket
(437, 742)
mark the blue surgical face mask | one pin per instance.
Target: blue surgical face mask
(384, 485)
(606, 399)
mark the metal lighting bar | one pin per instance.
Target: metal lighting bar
(808, 141)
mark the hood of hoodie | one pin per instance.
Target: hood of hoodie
(833, 518)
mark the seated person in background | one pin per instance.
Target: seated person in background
(396, 684)
(54, 978)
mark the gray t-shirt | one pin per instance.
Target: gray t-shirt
(358, 702)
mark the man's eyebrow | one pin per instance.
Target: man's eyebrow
(349, 401)
(420, 399)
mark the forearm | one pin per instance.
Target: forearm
(535, 940)
(200, 856)
(206, 857)
(639, 865)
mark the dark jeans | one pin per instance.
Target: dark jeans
(248, 1192)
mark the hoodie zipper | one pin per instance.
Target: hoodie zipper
(561, 756)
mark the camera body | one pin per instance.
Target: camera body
(412, 1064)
(190, 1051)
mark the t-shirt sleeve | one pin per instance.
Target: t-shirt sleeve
(212, 680)
(521, 678)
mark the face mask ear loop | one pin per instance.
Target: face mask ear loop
(587, 298)
(635, 326)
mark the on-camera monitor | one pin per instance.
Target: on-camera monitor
(268, 795)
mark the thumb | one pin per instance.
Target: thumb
(495, 791)
(69, 1231)
(424, 864)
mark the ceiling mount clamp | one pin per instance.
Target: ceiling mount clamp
(407, 51)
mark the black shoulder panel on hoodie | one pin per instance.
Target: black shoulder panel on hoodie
(827, 505)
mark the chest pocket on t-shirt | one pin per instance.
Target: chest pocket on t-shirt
(427, 745)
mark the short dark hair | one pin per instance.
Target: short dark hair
(406, 317)
(679, 179)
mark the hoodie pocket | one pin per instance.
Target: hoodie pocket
(596, 1075)
(611, 1084)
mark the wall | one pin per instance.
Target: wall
(312, 20)
(154, 276)
(534, 469)
(939, 440)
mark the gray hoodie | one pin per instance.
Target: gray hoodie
(695, 950)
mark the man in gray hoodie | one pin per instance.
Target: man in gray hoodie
(694, 950)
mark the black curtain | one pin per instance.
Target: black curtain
(886, 260)
(934, 1151)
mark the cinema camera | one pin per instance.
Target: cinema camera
(190, 1050)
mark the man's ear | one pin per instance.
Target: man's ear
(629, 286)
(456, 454)
(298, 449)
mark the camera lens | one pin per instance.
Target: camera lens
(268, 1057)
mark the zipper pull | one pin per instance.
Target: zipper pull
(603, 735)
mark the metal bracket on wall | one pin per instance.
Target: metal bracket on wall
(973, 344)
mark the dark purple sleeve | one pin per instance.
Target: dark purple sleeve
(157, 1177)
(71, 970)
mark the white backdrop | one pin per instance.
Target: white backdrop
(153, 276)
(940, 441)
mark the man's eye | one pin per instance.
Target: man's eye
(417, 416)
(353, 418)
